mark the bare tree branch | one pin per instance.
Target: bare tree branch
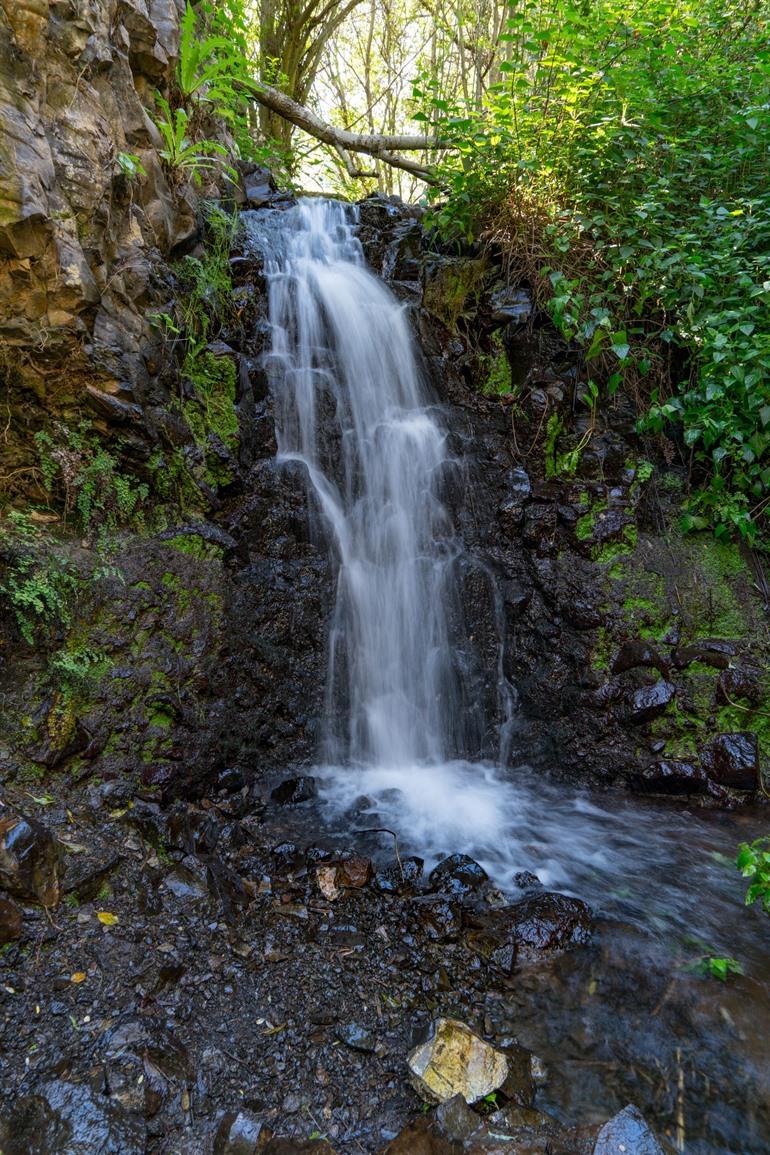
(380, 145)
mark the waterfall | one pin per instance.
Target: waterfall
(353, 407)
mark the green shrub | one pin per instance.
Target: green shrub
(622, 160)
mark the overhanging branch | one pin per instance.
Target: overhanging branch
(380, 145)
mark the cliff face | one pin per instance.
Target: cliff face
(81, 239)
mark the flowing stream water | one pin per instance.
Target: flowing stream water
(402, 721)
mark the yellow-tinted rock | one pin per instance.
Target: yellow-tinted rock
(456, 1061)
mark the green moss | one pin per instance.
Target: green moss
(196, 546)
(161, 718)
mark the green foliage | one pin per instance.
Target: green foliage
(74, 669)
(130, 165)
(721, 968)
(35, 579)
(636, 138)
(205, 283)
(754, 863)
(180, 152)
(79, 469)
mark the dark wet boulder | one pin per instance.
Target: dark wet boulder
(238, 1134)
(259, 186)
(710, 651)
(639, 652)
(649, 702)
(519, 484)
(30, 860)
(295, 790)
(511, 306)
(458, 874)
(62, 1118)
(549, 921)
(672, 777)
(733, 760)
(628, 1133)
(10, 921)
(740, 682)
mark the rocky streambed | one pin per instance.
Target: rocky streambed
(217, 977)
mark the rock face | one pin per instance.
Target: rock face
(81, 234)
(456, 1061)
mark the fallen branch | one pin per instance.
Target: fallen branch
(382, 146)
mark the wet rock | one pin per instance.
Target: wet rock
(627, 1133)
(458, 874)
(733, 760)
(455, 1119)
(238, 1134)
(672, 777)
(711, 652)
(231, 780)
(740, 682)
(456, 1061)
(356, 1037)
(351, 872)
(608, 525)
(638, 653)
(550, 921)
(519, 484)
(649, 702)
(10, 921)
(295, 790)
(259, 187)
(30, 860)
(391, 878)
(71, 1119)
(540, 522)
(511, 305)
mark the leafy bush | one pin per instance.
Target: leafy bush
(754, 863)
(622, 159)
(35, 579)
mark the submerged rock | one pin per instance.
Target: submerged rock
(456, 1061)
(30, 860)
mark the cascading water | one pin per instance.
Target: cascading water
(353, 408)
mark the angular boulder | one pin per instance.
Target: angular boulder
(454, 1060)
(30, 860)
